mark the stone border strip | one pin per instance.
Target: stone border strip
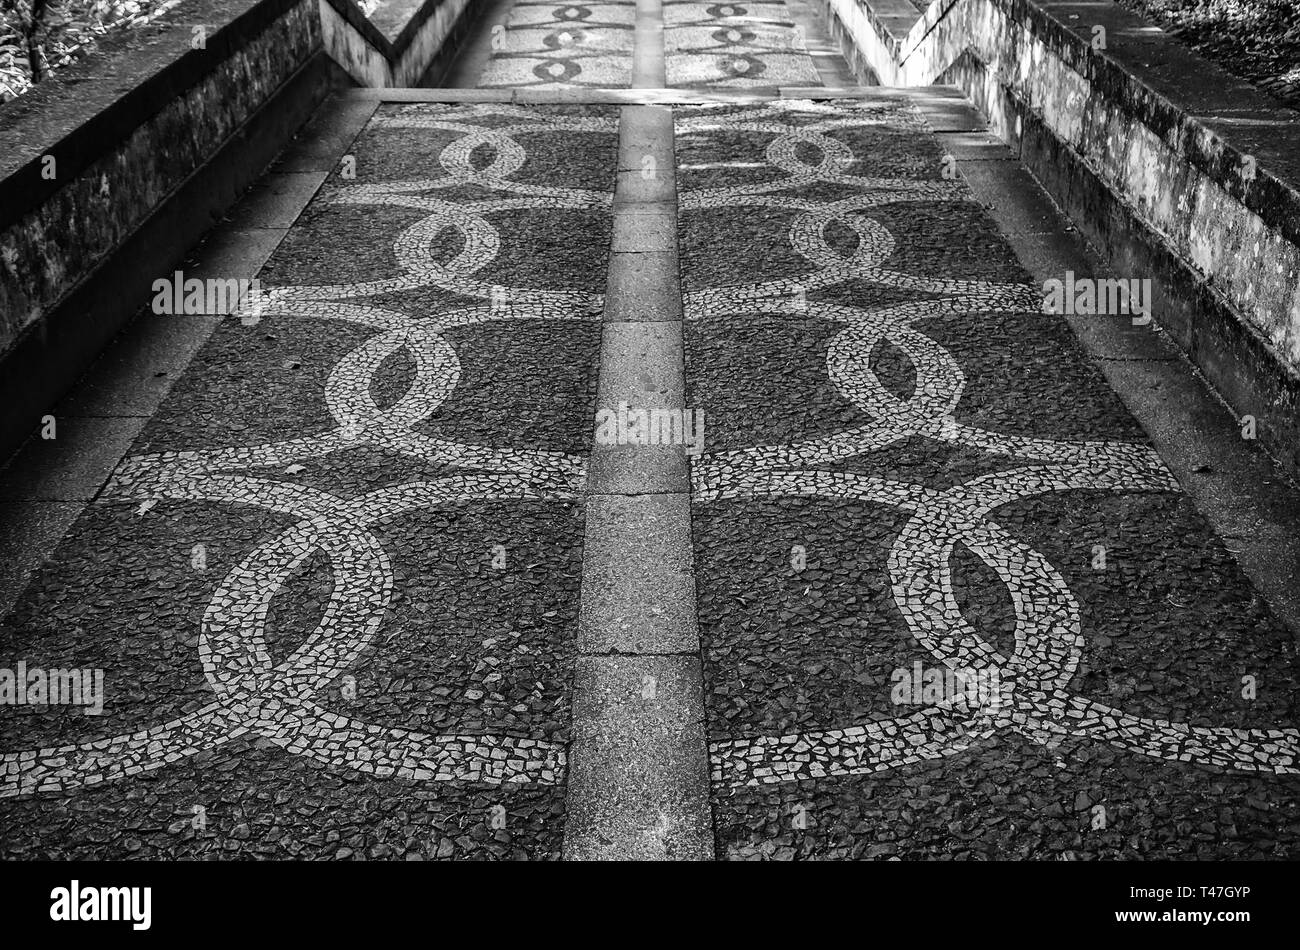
(649, 69)
(638, 786)
(578, 95)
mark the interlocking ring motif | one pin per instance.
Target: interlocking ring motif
(1034, 699)
(279, 701)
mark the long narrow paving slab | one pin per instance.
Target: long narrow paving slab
(638, 787)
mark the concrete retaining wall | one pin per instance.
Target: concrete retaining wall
(376, 59)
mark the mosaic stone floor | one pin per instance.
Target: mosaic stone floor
(946, 516)
(735, 45)
(304, 537)
(334, 584)
(544, 46)
(547, 46)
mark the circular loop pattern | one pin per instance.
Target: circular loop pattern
(557, 70)
(741, 64)
(282, 702)
(1034, 698)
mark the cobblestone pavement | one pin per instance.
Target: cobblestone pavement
(542, 45)
(339, 568)
(735, 45)
(938, 592)
(928, 482)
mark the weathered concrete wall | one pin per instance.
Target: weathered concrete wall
(111, 172)
(377, 60)
(426, 44)
(355, 44)
(1179, 171)
(55, 230)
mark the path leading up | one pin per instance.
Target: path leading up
(910, 568)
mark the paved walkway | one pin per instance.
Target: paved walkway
(365, 580)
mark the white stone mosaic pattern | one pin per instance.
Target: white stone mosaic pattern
(735, 45)
(1035, 699)
(255, 696)
(548, 45)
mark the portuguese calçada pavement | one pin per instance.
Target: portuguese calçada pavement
(335, 584)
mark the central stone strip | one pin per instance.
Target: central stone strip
(638, 780)
(648, 49)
